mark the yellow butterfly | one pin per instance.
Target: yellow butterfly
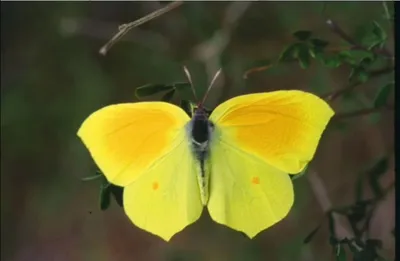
(234, 162)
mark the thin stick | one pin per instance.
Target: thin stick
(325, 202)
(337, 93)
(386, 8)
(125, 28)
(211, 84)
(190, 81)
(366, 111)
(388, 16)
(339, 31)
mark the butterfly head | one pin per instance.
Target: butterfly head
(200, 127)
(200, 113)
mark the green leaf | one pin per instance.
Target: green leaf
(303, 56)
(188, 107)
(89, 178)
(383, 95)
(378, 31)
(311, 235)
(372, 35)
(151, 89)
(117, 193)
(317, 49)
(105, 193)
(331, 61)
(290, 52)
(340, 253)
(358, 74)
(355, 57)
(347, 58)
(319, 43)
(315, 53)
(168, 96)
(184, 90)
(302, 35)
(179, 86)
(363, 75)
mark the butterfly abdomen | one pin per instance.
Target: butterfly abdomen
(200, 131)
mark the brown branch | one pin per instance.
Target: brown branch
(102, 30)
(381, 71)
(209, 52)
(337, 93)
(341, 229)
(256, 69)
(345, 115)
(388, 16)
(339, 31)
(125, 28)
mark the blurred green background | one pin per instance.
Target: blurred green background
(52, 78)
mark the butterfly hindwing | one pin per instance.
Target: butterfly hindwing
(166, 198)
(246, 194)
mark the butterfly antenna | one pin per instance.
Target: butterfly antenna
(211, 85)
(190, 81)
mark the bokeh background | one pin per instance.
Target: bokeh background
(53, 77)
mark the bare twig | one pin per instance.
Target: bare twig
(361, 112)
(339, 31)
(337, 93)
(388, 15)
(124, 28)
(374, 204)
(320, 192)
(331, 96)
(98, 29)
(256, 69)
(209, 52)
(386, 8)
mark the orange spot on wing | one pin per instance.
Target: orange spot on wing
(256, 180)
(155, 185)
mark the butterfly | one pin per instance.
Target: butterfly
(235, 161)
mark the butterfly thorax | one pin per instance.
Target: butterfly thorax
(200, 132)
